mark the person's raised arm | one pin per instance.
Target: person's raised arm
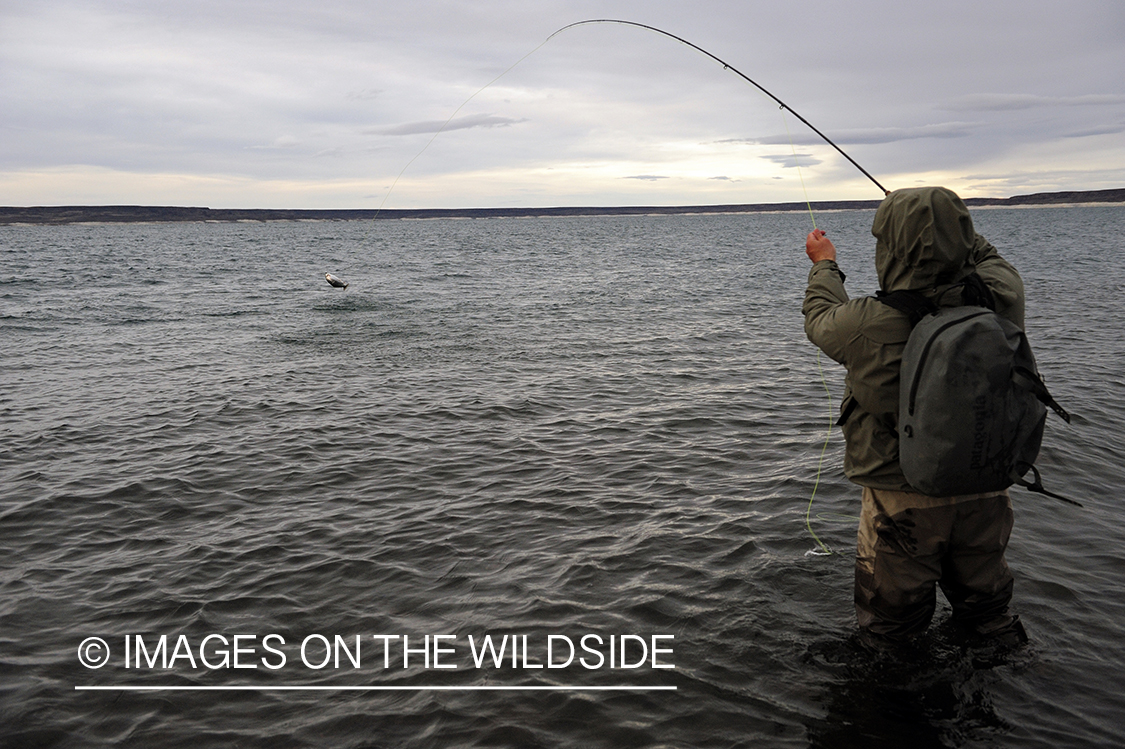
(824, 296)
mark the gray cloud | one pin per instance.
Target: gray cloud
(457, 123)
(1010, 102)
(1105, 130)
(1048, 180)
(788, 160)
(646, 177)
(867, 135)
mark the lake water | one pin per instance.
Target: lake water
(592, 433)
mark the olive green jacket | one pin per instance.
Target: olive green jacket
(925, 241)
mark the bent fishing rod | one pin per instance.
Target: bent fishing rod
(735, 70)
(726, 65)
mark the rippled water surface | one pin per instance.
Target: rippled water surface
(546, 428)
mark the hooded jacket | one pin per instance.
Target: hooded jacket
(925, 241)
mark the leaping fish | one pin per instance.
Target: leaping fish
(332, 280)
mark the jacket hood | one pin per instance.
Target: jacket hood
(924, 238)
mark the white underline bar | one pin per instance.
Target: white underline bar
(309, 688)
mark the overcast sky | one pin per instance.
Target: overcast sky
(284, 104)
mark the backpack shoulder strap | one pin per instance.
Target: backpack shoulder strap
(913, 304)
(975, 292)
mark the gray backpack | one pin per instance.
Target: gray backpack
(972, 405)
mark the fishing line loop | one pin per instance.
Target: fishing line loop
(825, 551)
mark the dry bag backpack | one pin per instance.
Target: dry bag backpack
(972, 405)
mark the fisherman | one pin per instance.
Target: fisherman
(907, 541)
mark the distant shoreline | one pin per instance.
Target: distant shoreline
(47, 215)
